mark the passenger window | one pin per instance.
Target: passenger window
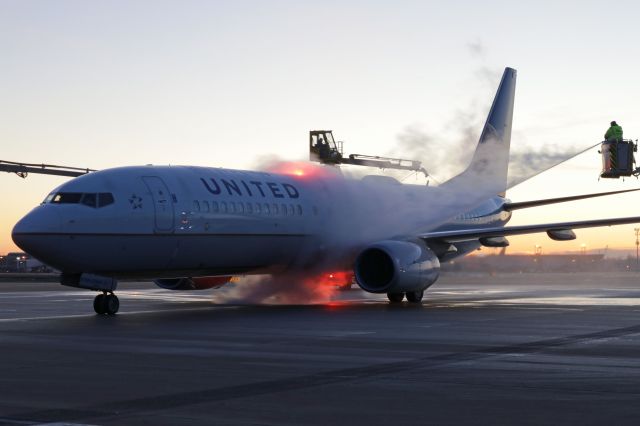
(232, 207)
(214, 206)
(223, 207)
(291, 210)
(257, 208)
(89, 200)
(283, 209)
(240, 208)
(104, 199)
(205, 206)
(249, 208)
(266, 209)
(275, 209)
(196, 206)
(300, 210)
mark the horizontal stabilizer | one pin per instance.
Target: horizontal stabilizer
(536, 203)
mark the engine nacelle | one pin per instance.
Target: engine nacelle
(198, 283)
(396, 266)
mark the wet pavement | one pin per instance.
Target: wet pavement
(505, 349)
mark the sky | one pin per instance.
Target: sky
(229, 84)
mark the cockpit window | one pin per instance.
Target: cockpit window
(90, 199)
(67, 198)
(49, 198)
(104, 199)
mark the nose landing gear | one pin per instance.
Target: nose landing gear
(106, 303)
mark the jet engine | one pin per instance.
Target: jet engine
(396, 267)
(197, 283)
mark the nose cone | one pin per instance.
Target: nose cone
(32, 231)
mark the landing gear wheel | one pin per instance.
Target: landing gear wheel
(106, 304)
(112, 304)
(99, 304)
(395, 297)
(415, 296)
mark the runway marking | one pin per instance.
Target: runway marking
(91, 315)
(5, 320)
(182, 399)
(526, 308)
(4, 420)
(64, 424)
(349, 333)
(28, 422)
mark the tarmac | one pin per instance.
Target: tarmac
(481, 349)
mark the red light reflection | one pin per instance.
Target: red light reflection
(299, 169)
(324, 286)
(332, 280)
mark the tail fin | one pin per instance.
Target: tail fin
(488, 168)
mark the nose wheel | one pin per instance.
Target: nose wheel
(106, 304)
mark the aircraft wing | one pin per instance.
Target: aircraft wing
(544, 202)
(460, 235)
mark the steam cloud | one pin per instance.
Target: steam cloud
(526, 163)
(282, 289)
(361, 212)
(446, 151)
(441, 157)
(371, 209)
(445, 158)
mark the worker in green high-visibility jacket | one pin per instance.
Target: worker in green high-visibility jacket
(614, 133)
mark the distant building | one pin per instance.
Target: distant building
(21, 262)
(539, 263)
(14, 262)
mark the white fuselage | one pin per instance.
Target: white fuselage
(174, 221)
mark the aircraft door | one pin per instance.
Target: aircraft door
(162, 203)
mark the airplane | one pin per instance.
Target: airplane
(190, 227)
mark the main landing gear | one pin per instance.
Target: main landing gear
(412, 296)
(106, 303)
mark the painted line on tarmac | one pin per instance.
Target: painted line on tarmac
(153, 311)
